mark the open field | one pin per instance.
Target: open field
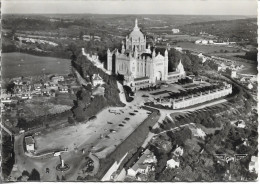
(205, 48)
(179, 37)
(17, 64)
(40, 106)
(97, 134)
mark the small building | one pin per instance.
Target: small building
(97, 80)
(56, 79)
(232, 73)
(45, 91)
(240, 124)
(29, 142)
(211, 41)
(37, 86)
(204, 42)
(172, 164)
(143, 165)
(178, 151)
(253, 165)
(63, 89)
(250, 86)
(198, 41)
(175, 31)
(178, 49)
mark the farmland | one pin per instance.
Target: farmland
(18, 64)
(206, 49)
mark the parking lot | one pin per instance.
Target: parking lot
(100, 135)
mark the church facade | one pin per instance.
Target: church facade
(139, 66)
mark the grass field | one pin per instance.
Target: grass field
(17, 64)
(204, 48)
(182, 37)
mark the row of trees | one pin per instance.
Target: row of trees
(87, 106)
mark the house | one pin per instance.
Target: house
(37, 86)
(250, 86)
(26, 96)
(197, 41)
(232, 73)
(56, 79)
(178, 151)
(172, 164)
(243, 79)
(143, 165)
(97, 80)
(63, 89)
(175, 31)
(240, 124)
(45, 92)
(53, 86)
(178, 49)
(29, 142)
(253, 165)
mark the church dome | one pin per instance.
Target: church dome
(136, 33)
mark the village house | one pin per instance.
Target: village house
(97, 80)
(250, 86)
(29, 142)
(56, 79)
(172, 163)
(178, 151)
(253, 165)
(143, 165)
(231, 72)
(240, 124)
(63, 89)
(53, 86)
(37, 86)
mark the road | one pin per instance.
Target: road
(76, 158)
(5, 129)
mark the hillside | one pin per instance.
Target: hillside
(240, 30)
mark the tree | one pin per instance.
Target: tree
(25, 173)
(34, 176)
(71, 120)
(22, 123)
(10, 87)
(81, 35)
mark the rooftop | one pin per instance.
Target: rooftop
(96, 77)
(29, 140)
(140, 163)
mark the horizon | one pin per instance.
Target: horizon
(134, 7)
(249, 16)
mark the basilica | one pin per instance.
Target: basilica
(140, 66)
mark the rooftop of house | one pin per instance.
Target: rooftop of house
(96, 77)
(29, 140)
(140, 163)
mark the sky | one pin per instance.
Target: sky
(183, 7)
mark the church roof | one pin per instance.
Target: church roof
(136, 33)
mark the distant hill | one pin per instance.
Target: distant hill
(239, 30)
